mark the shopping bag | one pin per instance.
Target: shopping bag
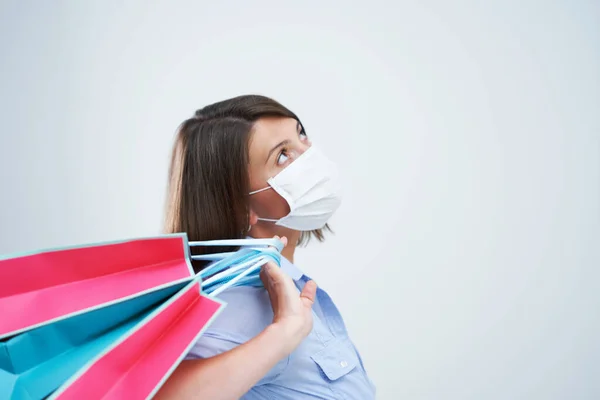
(139, 362)
(34, 363)
(54, 284)
(39, 360)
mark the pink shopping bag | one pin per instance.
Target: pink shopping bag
(138, 364)
(59, 283)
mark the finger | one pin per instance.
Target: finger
(309, 293)
(268, 284)
(264, 274)
(273, 273)
(282, 239)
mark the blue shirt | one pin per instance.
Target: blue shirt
(326, 365)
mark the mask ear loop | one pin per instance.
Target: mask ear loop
(259, 190)
(262, 190)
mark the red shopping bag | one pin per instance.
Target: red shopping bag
(45, 283)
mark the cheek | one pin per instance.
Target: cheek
(269, 204)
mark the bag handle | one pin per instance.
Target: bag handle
(278, 244)
(257, 265)
(235, 270)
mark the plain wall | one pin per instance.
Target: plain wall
(467, 251)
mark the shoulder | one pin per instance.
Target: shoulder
(246, 313)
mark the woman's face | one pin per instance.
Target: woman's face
(274, 144)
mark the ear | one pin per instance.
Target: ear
(252, 218)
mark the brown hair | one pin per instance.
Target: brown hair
(208, 177)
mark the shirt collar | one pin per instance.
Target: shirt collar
(294, 272)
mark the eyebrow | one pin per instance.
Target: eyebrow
(281, 144)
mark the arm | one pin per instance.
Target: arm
(233, 373)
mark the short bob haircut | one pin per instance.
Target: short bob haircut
(208, 186)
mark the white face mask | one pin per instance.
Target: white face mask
(311, 187)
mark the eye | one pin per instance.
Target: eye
(303, 135)
(283, 157)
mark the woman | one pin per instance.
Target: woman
(245, 167)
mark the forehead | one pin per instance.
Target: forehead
(269, 132)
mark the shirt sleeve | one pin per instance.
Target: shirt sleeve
(212, 343)
(245, 316)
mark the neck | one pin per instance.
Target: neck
(288, 251)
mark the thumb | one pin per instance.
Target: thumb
(271, 274)
(308, 293)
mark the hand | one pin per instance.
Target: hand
(292, 311)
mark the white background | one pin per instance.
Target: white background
(467, 249)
